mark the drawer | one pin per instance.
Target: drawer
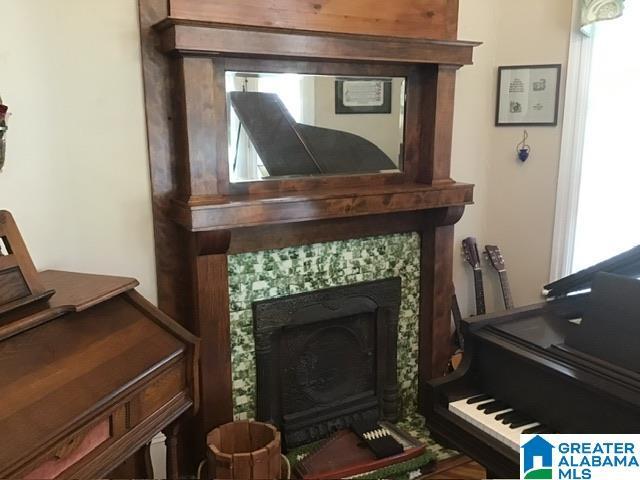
(72, 450)
(88, 444)
(157, 394)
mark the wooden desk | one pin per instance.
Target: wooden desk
(88, 378)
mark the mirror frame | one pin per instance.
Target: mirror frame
(416, 76)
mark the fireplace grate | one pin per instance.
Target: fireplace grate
(328, 358)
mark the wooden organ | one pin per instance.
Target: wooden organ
(90, 372)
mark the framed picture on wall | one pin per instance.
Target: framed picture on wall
(363, 95)
(528, 95)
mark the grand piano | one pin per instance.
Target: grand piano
(290, 148)
(569, 365)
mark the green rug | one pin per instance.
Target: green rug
(414, 425)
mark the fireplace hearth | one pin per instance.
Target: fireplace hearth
(327, 358)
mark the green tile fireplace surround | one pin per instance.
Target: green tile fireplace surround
(278, 273)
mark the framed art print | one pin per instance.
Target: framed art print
(528, 95)
(363, 95)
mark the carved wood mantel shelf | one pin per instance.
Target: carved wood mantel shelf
(201, 217)
(193, 37)
(203, 214)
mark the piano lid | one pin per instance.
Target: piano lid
(626, 263)
(287, 147)
(609, 329)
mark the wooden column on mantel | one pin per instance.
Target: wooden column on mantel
(200, 217)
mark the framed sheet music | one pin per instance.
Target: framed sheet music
(528, 95)
(363, 95)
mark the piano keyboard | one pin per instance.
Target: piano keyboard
(496, 419)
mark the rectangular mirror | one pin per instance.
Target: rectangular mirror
(291, 125)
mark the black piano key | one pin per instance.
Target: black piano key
(521, 422)
(479, 398)
(511, 417)
(482, 406)
(538, 429)
(502, 415)
(497, 406)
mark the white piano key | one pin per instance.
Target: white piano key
(514, 435)
(488, 423)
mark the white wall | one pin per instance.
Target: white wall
(76, 176)
(515, 202)
(472, 139)
(522, 202)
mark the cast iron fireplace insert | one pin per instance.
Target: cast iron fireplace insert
(327, 358)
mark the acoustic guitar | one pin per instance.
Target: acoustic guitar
(494, 255)
(470, 253)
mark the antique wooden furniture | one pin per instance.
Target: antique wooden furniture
(201, 217)
(19, 281)
(90, 372)
(519, 362)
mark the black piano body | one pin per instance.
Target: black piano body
(288, 148)
(558, 363)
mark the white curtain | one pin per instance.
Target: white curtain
(597, 10)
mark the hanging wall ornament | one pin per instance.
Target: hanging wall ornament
(522, 149)
(3, 131)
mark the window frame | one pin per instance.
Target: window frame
(573, 136)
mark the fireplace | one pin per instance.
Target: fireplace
(327, 358)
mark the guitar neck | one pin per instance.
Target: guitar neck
(477, 279)
(457, 320)
(506, 289)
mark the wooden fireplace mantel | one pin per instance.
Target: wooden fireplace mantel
(197, 37)
(201, 217)
(231, 212)
(411, 18)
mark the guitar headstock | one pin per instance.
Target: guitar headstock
(494, 255)
(470, 252)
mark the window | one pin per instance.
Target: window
(607, 217)
(599, 180)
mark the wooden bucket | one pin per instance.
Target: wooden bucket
(245, 450)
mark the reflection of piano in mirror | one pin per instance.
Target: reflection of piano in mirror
(570, 365)
(287, 147)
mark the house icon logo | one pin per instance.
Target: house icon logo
(537, 459)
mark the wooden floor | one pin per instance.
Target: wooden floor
(457, 468)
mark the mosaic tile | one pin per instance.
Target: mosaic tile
(277, 273)
(414, 424)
